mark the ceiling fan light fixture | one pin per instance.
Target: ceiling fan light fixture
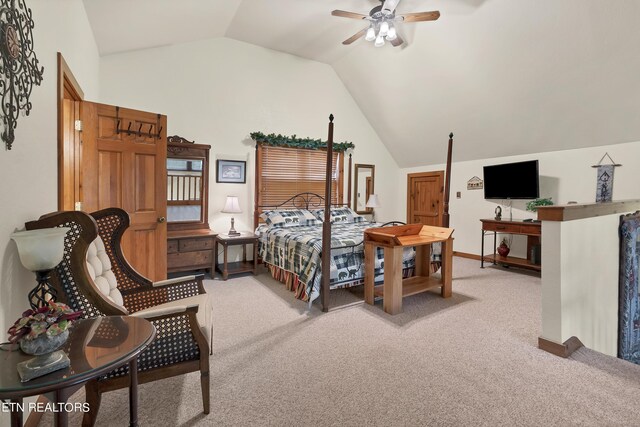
(371, 34)
(384, 28)
(379, 41)
(392, 34)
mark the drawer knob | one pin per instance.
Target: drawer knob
(161, 219)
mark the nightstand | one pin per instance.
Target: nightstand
(227, 268)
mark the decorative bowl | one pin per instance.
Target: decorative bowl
(43, 344)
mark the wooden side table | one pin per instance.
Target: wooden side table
(243, 266)
(394, 240)
(95, 347)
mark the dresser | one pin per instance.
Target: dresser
(190, 242)
(191, 250)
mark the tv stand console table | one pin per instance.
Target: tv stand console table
(533, 231)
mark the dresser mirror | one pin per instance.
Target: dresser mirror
(363, 187)
(187, 184)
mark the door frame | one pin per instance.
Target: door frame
(66, 80)
(410, 176)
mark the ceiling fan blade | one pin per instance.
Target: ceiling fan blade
(420, 16)
(356, 36)
(351, 15)
(397, 41)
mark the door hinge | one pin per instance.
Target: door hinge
(78, 125)
(78, 206)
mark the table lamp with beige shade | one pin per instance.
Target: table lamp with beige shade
(232, 205)
(373, 203)
(41, 251)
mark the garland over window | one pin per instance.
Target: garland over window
(294, 142)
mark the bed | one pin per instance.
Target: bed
(295, 253)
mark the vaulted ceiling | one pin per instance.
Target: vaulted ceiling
(506, 76)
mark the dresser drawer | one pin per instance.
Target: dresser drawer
(504, 228)
(172, 246)
(187, 259)
(531, 229)
(196, 244)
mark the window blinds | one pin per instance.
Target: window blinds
(286, 172)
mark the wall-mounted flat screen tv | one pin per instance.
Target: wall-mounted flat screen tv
(512, 181)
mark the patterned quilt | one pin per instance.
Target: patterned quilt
(629, 295)
(298, 249)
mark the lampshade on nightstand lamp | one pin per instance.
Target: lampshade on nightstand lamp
(373, 203)
(41, 251)
(232, 206)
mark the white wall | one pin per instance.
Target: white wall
(580, 282)
(564, 175)
(29, 171)
(217, 91)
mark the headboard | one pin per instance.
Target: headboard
(304, 200)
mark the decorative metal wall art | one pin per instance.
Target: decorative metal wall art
(19, 67)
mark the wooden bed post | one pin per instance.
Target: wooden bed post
(447, 188)
(349, 184)
(256, 196)
(326, 225)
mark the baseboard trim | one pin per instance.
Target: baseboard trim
(471, 256)
(562, 350)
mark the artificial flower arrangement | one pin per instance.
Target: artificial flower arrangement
(50, 320)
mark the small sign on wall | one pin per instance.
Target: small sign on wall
(475, 183)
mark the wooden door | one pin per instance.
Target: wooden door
(425, 198)
(69, 161)
(128, 170)
(69, 96)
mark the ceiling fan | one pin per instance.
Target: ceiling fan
(382, 21)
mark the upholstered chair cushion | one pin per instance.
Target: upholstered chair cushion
(99, 267)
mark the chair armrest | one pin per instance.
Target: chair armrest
(162, 312)
(149, 296)
(187, 286)
(172, 281)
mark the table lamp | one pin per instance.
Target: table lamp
(373, 203)
(232, 206)
(41, 251)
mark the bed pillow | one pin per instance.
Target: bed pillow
(342, 215)
(289, 218)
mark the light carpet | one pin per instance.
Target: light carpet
(467, 360)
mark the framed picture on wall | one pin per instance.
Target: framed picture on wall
(231, 171)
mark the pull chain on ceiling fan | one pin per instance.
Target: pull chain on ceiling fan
(382, 23)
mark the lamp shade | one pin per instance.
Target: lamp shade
(371, 34)
(42, 249)
(232, 205)
(373, 201)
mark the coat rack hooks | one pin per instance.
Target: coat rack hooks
(139, 132)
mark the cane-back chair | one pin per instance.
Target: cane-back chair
(95, 277)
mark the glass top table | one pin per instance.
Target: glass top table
(95, 346)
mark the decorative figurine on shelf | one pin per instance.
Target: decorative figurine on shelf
(504, 249)
(498, 213)
(40, 332)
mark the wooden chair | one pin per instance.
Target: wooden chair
(95, 277)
